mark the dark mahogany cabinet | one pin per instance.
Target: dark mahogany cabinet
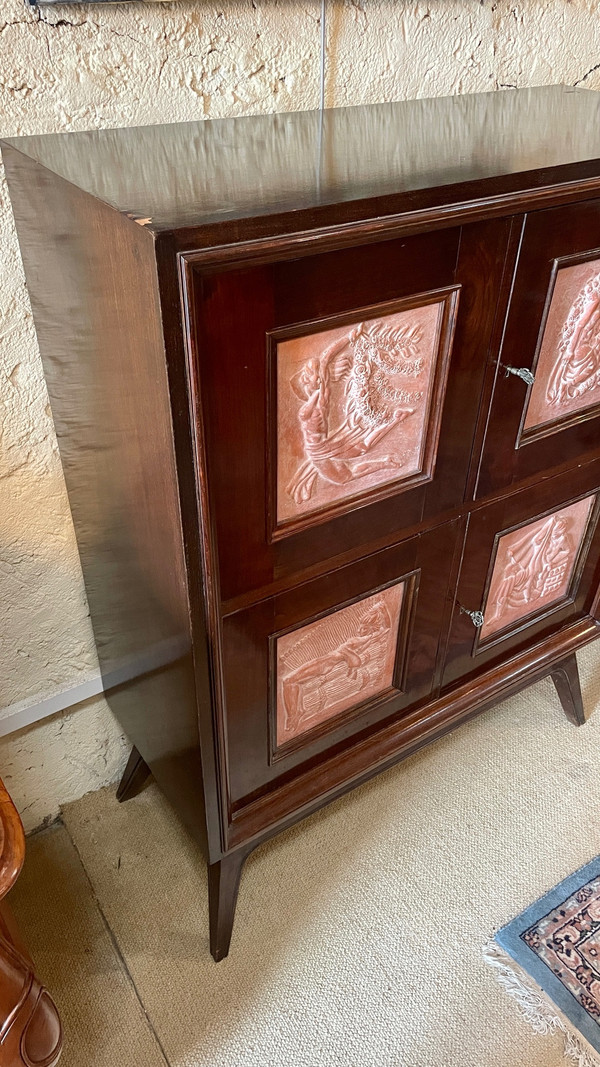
(327, 393)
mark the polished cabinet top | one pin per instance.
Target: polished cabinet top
(195, 174)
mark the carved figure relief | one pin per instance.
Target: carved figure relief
(339, 661)
(534, 566)
(353, 406)
(567, 376)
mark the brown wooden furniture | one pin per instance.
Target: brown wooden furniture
(327, 392)
(30, 1028)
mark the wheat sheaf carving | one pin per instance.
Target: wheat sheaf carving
(341, 427)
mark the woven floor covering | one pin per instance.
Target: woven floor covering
(553, 948)
(359, 934)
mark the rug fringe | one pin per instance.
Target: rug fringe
(535, 1007)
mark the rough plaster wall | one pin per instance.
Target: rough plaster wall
(80, 67)
(60, 759)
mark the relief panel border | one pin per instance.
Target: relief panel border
(562, 422)
(408, 606)
(497, 637)
(449, 297)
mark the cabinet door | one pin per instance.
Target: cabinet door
(314, 667)
(546, 405)
(530, 565)
(338, 396)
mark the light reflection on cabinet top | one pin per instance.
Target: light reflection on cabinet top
(197, 173)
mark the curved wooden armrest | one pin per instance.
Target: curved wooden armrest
(12, 842)
(30, 1028)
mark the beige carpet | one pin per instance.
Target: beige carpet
(55, 906)
(359, 933)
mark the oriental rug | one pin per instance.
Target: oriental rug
(548, 959)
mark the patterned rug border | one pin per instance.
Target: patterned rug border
(509, 938)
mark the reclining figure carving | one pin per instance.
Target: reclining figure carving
(333, 673)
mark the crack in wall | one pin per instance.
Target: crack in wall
(590, 71)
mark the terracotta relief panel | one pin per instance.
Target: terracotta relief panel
(336, 663)
(567, 376)
(353, 407)
(534, 566)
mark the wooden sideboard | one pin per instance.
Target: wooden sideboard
(327, 393)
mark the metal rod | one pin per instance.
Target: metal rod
(319, 159)
(323, 54)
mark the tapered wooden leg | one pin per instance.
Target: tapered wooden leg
(566, 681)
(134, 776)
(223, 884)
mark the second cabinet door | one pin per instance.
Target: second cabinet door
(530, 565)
(546, 405)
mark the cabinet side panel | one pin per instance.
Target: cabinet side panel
(91, 276)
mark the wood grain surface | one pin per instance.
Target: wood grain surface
(172, 271)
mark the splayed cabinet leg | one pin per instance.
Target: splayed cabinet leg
(223, 885)
(566, 681)
(134, 776)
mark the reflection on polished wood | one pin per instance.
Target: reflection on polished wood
(223, 311)
(417, 152)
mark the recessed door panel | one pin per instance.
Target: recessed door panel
(310, 669)
(358, 407)
(336, 663)
(530, 565)
(534, 566)
(567, 373)
(545, 409)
